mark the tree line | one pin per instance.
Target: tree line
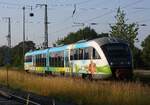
(14, 56)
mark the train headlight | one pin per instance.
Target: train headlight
(128, 63)
(111, 63)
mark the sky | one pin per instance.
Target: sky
(61, 21)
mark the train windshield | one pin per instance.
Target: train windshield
(117, 53)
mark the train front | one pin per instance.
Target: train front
(119, 58)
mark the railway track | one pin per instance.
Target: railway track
(11, 99)
(5, 101)
(10, 96)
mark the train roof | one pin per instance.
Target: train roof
(59, 48)
(80, 44)
(36, 52)
(108, 40)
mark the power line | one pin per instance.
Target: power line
(7, 3)
(145, 20)
(83, 2)
(91, 19)
(142, 8)
(111, 11)
(107, 13)
(57, 31)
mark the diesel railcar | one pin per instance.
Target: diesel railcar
(98, 59)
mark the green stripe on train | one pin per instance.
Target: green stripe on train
(104, 69)
(57, 69)
(40, 69)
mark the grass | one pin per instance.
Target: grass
(142, 75)
(80, 91)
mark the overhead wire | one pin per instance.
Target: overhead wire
(111, 11)
(107, 13)
(79, 3)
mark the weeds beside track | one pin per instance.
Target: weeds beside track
(80, 91)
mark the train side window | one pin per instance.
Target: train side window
(36, 60)
(39, 59)
(86, 53)
(50, 60)
(44, 60)
(75, 54)
(28, 59)
(56, 59)
(59, 61)
(62, 59)
(62, 62)
(95, 54)
(71, 54)
(53, 62)
(80, 54)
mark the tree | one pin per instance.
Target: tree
(127, 32)
(103, 35)
(146, 51)
(17, 52)
(123, 30)
(83, 34)
(137, 59)
(5, 56)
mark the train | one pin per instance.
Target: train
(100, 58)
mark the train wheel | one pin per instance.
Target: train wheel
(90, 77)
(27, 71)
(84, 76)
(123, 75)
(117, 74)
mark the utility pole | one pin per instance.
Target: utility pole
(9, 31)
(45, 25)
(23, 30)
(7, 56)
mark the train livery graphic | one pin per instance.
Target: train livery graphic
(99, 58)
